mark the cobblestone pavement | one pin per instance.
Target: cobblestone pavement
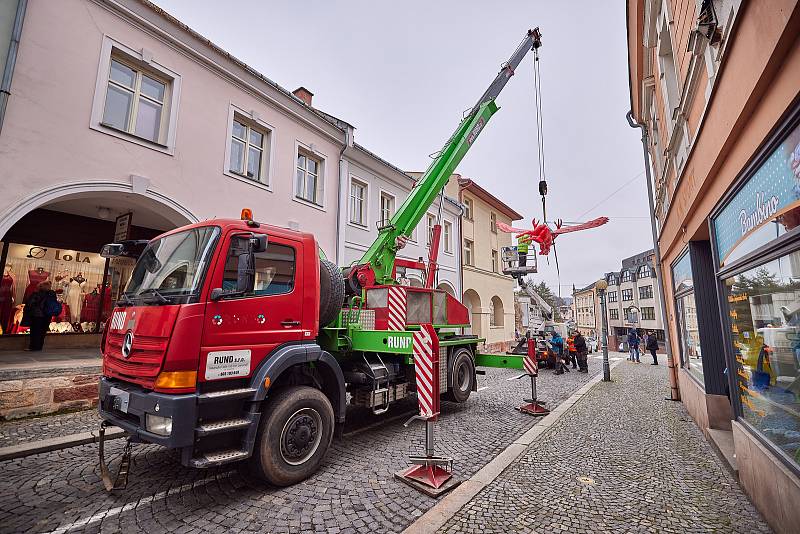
(354, 491)
(49, 426)
(643, 466)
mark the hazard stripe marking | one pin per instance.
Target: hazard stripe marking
(397, 309)
(426, 365)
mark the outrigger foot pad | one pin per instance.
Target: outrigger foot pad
(535, 408)
(428, 477)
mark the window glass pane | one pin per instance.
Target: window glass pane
(148, 120)
(690, 336)
(311, 187)
(274, 273)
(301, 161)
(256, 138)
(764, 311)
(299, 181)
(254, 163)
(239, 130)
(237, 156)
(152, 88)
(118, 107)
(122, 74)
(312, 166)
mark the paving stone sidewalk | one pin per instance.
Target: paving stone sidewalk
(622, 460)
(48, 426)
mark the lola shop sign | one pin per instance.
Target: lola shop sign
(771, 192)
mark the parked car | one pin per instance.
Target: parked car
(592, 344)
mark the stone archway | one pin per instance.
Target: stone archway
(446, 287)
(473, 303)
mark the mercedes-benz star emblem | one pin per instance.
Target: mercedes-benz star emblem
(127, 343)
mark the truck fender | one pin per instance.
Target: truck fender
(287, 356)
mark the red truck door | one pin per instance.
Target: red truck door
(240, 331)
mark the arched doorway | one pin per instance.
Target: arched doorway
(473, 303)
(56, 235)
(446, 287)
(498, 314)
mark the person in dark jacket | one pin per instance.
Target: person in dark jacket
(633, 345)
(583, 353)
(652, 346)
(557, 342)
(35, 315)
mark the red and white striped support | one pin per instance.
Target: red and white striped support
(397, 308)
(532, 406)
(426, 368)
(430, 474)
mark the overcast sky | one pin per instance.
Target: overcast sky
(403, 72)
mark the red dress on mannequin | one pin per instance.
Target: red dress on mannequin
(35, 277)
(6, 302)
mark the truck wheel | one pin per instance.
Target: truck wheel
(294, 434)
(462, 376)
(331, 292)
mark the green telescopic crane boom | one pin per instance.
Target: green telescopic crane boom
(381, 255)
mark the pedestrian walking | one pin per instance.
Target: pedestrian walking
(582, 353)
(40, 307)
(633, 345)
(652, 346)
(572, 354)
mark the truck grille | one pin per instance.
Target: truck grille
(143, 364)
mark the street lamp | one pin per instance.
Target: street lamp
(601, 286)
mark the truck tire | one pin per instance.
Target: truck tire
(293, 436)
(331, 292)
(462, 376)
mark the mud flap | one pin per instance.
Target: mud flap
(120, 481)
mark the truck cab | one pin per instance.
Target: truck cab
(216, 317)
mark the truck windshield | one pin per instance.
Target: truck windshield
(171, 267)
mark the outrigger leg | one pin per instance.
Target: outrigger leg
(532, 406)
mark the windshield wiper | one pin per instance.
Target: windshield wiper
(159, 297)
(125, 299)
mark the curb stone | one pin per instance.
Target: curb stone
(56, 444)
(440, 514)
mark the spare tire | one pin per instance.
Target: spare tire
(331, 292)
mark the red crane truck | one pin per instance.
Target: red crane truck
(235, 339)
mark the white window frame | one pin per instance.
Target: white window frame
(469, 258)
(493, 222)
(364, 205)
(447, 237)
(393, 198)
(429, 218)
(142, 60)
(495, 262)
(469, 209)
(267, 163)
(309, 150)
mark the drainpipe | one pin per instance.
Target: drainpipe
(673, 369)
(344, 170)
(11, 59)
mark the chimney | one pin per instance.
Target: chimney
(303, 94)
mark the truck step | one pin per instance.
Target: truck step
(226, 394)
(226, 425)
(212, 459)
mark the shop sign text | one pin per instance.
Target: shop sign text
(763, 212)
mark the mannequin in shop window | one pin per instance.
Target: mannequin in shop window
(35, 277)
(74, 298)
(8, 287)
(91, 306)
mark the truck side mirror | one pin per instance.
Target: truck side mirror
(259, 242)
(112, 250)
(246, 271)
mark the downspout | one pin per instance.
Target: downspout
(673, 369)
(11, 59)
(342, 196)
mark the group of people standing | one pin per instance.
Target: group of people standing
(576, 353)
(650, 343)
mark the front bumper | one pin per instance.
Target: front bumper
(182, 409)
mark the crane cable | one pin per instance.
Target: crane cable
(537, 85)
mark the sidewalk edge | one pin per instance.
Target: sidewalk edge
(440, 514)
(56, 444)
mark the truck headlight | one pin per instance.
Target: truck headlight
(158, 425)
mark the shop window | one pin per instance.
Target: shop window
(613, 313)
(764, 310)
(274, 273)
(447, 236)
(648, 313)
(646, 292)
(627, 295)
(249, 149)
(469, 252)
(135, 100)
(358, 203)
(690, 336)
(387, 208)
(308, 181)
(612, 296)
